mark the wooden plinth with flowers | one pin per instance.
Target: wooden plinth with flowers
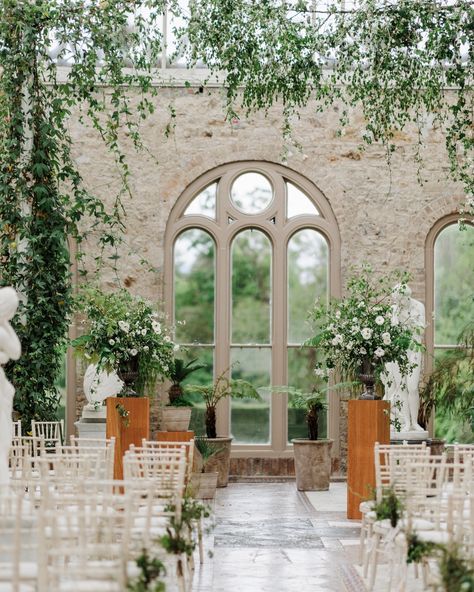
(128, 420)
(369, 422)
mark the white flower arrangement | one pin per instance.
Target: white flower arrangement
(358, 331)
(125, 331)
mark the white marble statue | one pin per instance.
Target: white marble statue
(403, 391)
(10, 349)
(100, 385)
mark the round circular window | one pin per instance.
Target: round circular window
(251, 193)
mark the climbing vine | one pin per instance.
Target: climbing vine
(404, 63)
(43, 200)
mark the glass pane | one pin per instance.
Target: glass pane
(194, 287)
(454, 281)
(204, 355)
(301, 363)
(307, 280)
(204, 204)
(251, 193)
(298, 203)
(251, 287)
(457, 425)
(250, 419)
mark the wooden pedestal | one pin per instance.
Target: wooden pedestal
(175, 436)
(138, 426)
(369, 422)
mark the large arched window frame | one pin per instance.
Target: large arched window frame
(274, 224)
(432, 345)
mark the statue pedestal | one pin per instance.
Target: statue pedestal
(413, 436)
(92, 423)
(368, 423)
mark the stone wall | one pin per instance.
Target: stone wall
(383, 214)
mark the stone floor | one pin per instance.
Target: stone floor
(270, 538)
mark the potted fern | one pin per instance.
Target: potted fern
(204, 484)
(312, 454)
(177, 414)
(212, 394)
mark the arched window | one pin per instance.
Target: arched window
(450, 297)
(249, 247)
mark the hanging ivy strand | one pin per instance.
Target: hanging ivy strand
(401, 62)
(43, 201)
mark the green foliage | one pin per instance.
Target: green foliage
(214, 392)
(223, 387)
(43, 201)
(151, 569)
(176, 541)
(392, 60)
(123, 330)
(450, 387)
(456, 571)
(180, 370)
(207, 450)
(390, 507)
(418, 549)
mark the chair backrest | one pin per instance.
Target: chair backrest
(151, 445)
(18, 538)
(103, 456)
(16, 429)
(167, 473)
(390, 461)
(70, 467)
(52, 432)
(463, 451)
(92, 442)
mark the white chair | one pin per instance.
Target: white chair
(389, 462)
(18, 543)
(16, 429)
(103, 456)
(189, 447)
(52, 432)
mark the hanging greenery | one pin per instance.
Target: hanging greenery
(43, 201)
(404, 63)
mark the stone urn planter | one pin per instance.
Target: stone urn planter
(203, 485)
(175, 419)
(220, 462)
(312, 464)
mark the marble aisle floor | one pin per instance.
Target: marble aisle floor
(270, 538)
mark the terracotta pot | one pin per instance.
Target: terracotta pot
(204, 485)
(175, 419)
(312, 464)
(221, 461)
(127, 430)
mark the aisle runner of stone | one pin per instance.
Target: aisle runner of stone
(270, 538)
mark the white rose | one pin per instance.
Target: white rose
(145, 348)
(338, 314)
(350, 345)
(355, 320)
(355, 328)
(379, 352)
(166, 338)
(361, 304)
(319, 372)
(338, 339)
(143, 331)
(366, 332)
(387, 340)
(112, 341)
(379, 320)
(156, 326)
(362, 351)
(176, 347)
(133, 352)
(124, 326)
